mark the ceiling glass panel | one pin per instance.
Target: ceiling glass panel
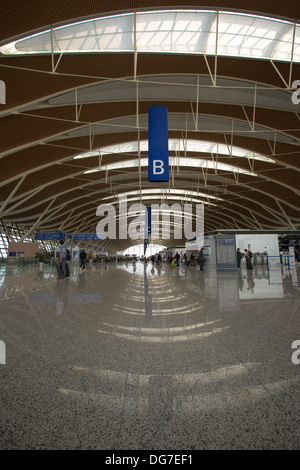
(173, 161)
(181, 31)
(180, 145)
(164, 193)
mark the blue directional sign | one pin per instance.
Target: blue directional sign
(47, 236)
(62, 234)
(86, 237)
(57, 236)
(158, 149)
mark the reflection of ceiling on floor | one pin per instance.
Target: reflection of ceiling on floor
(75, 126)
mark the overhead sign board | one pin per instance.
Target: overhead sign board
(47, 236)
(158, 148)
(86, 237)
(57, 236)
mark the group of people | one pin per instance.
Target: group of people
(62, 264)
(174, 260)
(187, 262)
(248, 256)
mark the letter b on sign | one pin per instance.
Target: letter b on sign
(158, 149)
(158, 167)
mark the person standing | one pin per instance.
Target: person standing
(201, 259)
(248, 258)
(238, 257)
(62, 260)
(82, 259)
(177, 257)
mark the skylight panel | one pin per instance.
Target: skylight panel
(180, 31)
(181, 146)
(283, 49)
(181, 161)
(164, 194)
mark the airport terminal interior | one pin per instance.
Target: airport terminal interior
(131, 348)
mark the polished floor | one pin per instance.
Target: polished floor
(134, 357)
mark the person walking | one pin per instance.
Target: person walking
(177, 257)
(62, 261)
(201, 259)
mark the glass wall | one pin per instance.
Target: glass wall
(12, 232)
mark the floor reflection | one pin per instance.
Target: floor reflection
(230, 289)
(161, 357)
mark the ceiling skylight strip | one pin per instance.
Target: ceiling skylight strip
(163, 193)
(175, 161)
(179, 145)
(170, 31)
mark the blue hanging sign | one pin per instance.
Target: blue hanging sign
(47, 236)
(158, 149)
(86, 237)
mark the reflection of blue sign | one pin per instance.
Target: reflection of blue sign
(85, 297)
(74, 298)
(149, 219)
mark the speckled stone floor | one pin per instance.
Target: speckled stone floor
(149, 358)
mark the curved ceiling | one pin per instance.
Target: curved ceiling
(74, 126)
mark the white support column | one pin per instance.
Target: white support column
(216, 50)
(285, 215)
(209, 70)
(253, 216)
(140, 167)
(135, 48)
(137, 119)
(280, 75)
(66, 220)
(247, 117)
(91, 137)
(32, 194)
(254, 107)
(197, 101)
(52, 51)
(58, 61)
(292, 56)
(77, 109)
(11, 195)
(38, 220)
